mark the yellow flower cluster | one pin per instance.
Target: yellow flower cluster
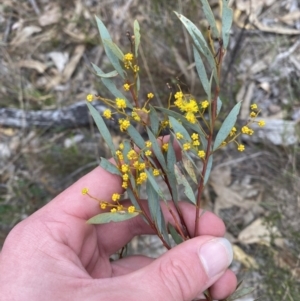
(165, 123)
(191, 145)
(125, 169)
(165, 147)
(254, 113)
(132, 155)
(135, 115)
(119, 155)
(116, 197)
(201, 154)
(115, 206)
(186, 146)
(107, 114)
(156, 172)
(141, 178)
(204, 104)
(124, 124)
(90, 97)
(246, 130)
(131, 209)
(103, 205)
(139, 166)
(140, 114)
(195, 138)
(84, 191)
(232, 132)
(121, 103)
(179, 136)
(135, 168)
(189, 106)
(241, 147)
(126, 87)
(148, 152)
(127, 59)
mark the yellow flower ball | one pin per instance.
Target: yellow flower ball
(90, 97)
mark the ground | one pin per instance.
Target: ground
(45, 53)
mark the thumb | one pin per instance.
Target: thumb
(187, 270)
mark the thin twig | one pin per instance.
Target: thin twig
(35, 7)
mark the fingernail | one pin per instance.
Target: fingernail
(216, 255)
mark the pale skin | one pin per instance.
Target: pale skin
(55, 255)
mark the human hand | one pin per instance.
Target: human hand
(55, 255)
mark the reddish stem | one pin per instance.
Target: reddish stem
(183, 224)
(209, 142)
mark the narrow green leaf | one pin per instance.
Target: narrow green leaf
(156, 149)
(108, 166)
(210, 18)
(138, 83)
(208, 169)
(133, 198)
(199, 42)
(137, 36)
(136, 136)
(109, 74)
(188, 156)
(126, 149)
(179, 128)
(171, 161)
(154, 205)
(240, 293)
(210, 86)
(188, 191)
(114, 48)
(193, 30)
(155, 186)
(154, 121)
(203, 142)
(201, 71)
(176, 237)
(110, 85)
(104, 34)
(219, 105)
(227, 17)
(171, 156)
(104, 218)
(209, 99)
(164, 230)
(188, 165)
(102, 129)
(227, 125)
